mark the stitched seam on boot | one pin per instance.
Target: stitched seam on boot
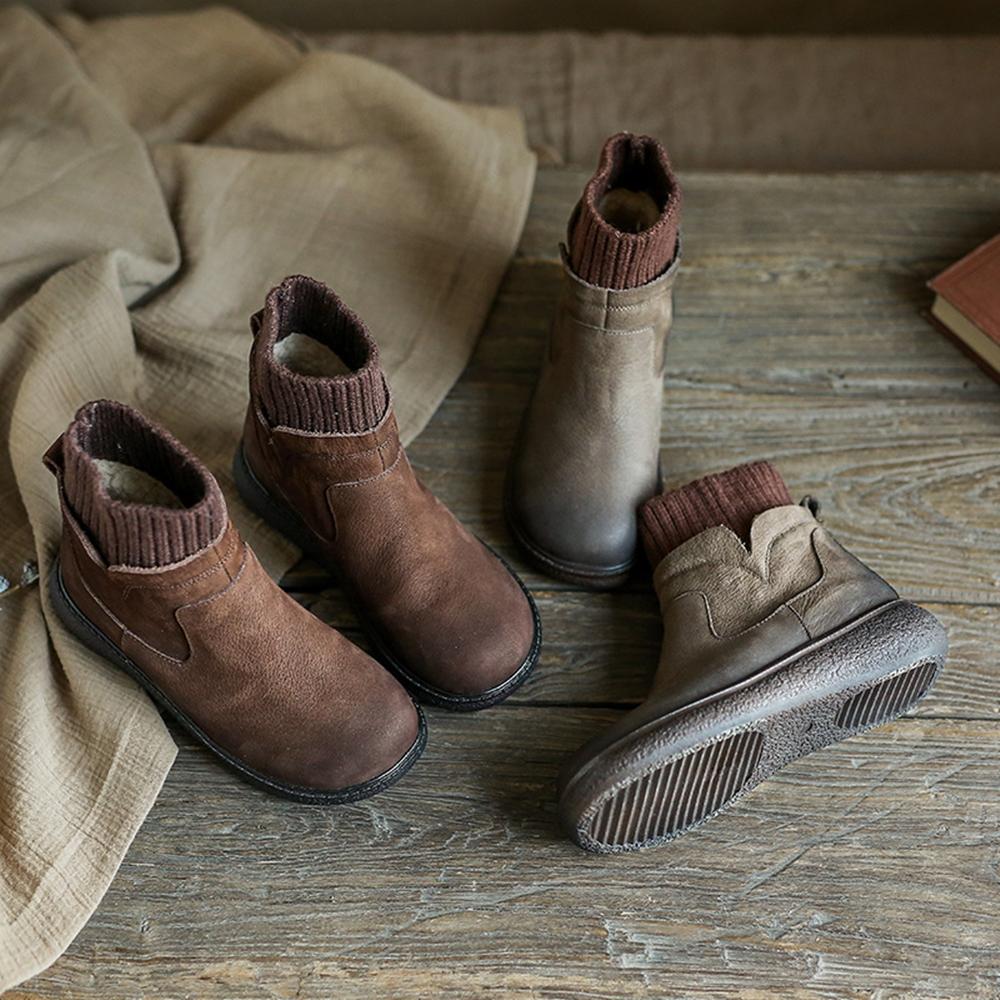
(613, 333)
(181, 584)
(370, 479)
(784, 604)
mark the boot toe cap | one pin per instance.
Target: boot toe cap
(479, 646)
(343, 740)
(575, 537)
(383, 734)
(501, 651)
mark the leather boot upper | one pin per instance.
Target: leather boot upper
(587, 454)
(445, 608)
(731, 611)
(262, 677)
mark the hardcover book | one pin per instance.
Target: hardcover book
(967, 304)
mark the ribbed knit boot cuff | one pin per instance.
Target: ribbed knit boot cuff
(132, 533)
(344, 404)
(733, 498)
(604, 255)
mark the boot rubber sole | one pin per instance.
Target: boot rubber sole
(676, 772)
(94, 639)
(286, 522)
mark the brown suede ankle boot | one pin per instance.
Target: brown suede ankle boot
(588, 450)
(152, 575)
(776, 642)
(321, 461)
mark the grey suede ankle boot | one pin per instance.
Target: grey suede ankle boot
(588, 450)
(774, 646)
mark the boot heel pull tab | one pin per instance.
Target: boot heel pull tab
(53, 457)
(255, 321)
(812, 505)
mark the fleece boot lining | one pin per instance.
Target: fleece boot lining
(629, 211)
(307, 356)
(131, 485)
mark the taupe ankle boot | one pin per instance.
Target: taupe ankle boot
(774, 645)
(588, 450)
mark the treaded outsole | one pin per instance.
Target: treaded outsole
(667, 782)
(887, 699)
(287, 523)
(94, 639)
(679, 794)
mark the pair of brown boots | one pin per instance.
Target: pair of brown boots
(153, 575)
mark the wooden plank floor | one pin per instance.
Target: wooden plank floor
(869, 869)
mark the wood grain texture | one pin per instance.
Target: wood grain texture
(871, 868)
(872, 864)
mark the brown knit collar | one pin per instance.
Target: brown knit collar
(732, 498)
(131, 533)
(609, 257)
(335, 404)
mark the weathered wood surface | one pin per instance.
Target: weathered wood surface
(869, 869)
(871, 866)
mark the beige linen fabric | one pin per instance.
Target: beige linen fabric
(157, 176)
